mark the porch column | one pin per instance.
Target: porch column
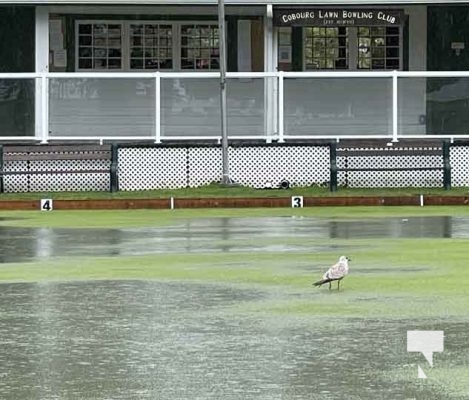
(42, 65)
(270, 65)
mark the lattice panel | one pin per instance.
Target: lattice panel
(299, 165)
(152, 168)
(459, 156)
(389, 178)
(205, 165)
(57, 182)
(249, 166)
(16, 183)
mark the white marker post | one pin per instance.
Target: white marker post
(47, 204)
(297, 201)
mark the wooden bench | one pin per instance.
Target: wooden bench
(32, 154)
(374, 148)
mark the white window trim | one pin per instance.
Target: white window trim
(125, 48)
(93, 21)
(127, 24)
(353, 51)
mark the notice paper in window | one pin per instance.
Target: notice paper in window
(60, 58)
(56, 37)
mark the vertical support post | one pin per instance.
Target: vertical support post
(225, 180)
(41, 66)
(158, 107)
(281, 138)
(333, 166)
(394, 107)
(44, 109)
(270, 83)
(446, 165)
(114, 168)
(2, 189)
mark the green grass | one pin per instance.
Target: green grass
(216, 190)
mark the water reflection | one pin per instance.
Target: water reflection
(216, 235)
(154, 340)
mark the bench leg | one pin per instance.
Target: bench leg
(333, 167)
(113, 169)
(1, 169)
(446, 165)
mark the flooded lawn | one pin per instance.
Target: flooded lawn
(148, 340)
(216, 235)
(172, 339)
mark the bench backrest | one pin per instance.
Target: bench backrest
(56, 152)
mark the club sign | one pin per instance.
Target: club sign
(337, 17)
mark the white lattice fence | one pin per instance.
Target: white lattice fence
(163, 167)
(149, 168)
(205, 165)
(299, 165)
(146, 168)
(459, 156)
(55, 182)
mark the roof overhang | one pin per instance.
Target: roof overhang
(291, 3)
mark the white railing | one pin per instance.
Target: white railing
(387, 123)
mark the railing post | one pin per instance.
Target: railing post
(395, 105)
(446, 165)
(1, 169)
(158, 107)
(281, 139)
(333, 166)
(44, 108)
(114, 168)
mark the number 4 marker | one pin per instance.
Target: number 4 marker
(47, 205)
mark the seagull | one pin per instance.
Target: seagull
(335, 273)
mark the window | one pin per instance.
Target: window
(378, 48)
(284, 46)
(151, 46)
(146, 46)
(199, 47)
(347, 48)
(326, 48)
(99, 46)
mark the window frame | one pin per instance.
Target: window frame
(126, 44)
(77, 45)
(213, 26)
(385, 47)
(325, 38)
(128, 37)
(354, 52)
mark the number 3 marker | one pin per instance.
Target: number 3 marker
(297, 201)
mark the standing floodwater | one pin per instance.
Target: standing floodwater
(148, 340)
(215, 235)
(185, 340)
